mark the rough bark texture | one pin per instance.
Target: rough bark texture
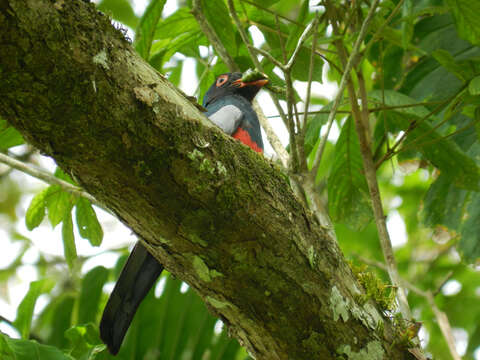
(215, 213)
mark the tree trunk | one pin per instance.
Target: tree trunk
(215, 213)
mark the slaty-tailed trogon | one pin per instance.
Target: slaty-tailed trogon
(229, 106)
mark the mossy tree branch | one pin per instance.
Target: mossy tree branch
(215, 213)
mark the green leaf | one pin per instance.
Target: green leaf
(401, 101)
(442, 152)
(180, 22)
(146, 29)
(449, 63)
(426, 79)
(446, 155)
(457, 209)
(85, 341)
(68, 238)
(444, 204)
(470, 232)
(296, 31)
(9, 136)
(175, 73)
(59, 203)
(467, 19)
(216, 13)
(36, 210)
(474, 86)
(120, 10)
(267, 21)
(6, 351)
(87, 222)
(59, 173)
(183, 328)
(25, 310)
(17, 349)
(162, 50)
(302, 65)
(90, 295)
(313, 128)
(348, 198)
(57, 317)
(407, 24)
(470, 240)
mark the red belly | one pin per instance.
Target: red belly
(245, 138)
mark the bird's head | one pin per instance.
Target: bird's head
(232, 84)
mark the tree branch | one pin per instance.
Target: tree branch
(47, 178)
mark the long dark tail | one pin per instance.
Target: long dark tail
(138, 275)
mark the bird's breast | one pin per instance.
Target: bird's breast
(243, 135)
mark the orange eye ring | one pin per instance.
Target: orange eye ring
(222, 79)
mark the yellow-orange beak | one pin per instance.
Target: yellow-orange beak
(257, 83)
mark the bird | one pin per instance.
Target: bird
(229, 106)
(228, 102)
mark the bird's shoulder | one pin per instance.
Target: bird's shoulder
(232, 102)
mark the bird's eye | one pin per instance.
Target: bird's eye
(221, 80)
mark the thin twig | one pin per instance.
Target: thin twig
(381, 27)
(330, 62)
(414, 124)
(303, 129)
(6, 321)
(47, 178)
(364, 100)
(271, 136)
(283, 35)
(414, 143)
(301, 40)
(294, 149)
(212, 36)
(384, 117)
(343, 82)
(442, 283)
(267, 55)
(445, 327)
(290, 123)
(273, 13)
(204, 73)
(371, 110)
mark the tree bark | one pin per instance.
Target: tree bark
(215, 213)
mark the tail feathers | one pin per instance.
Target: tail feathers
(138, 275)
